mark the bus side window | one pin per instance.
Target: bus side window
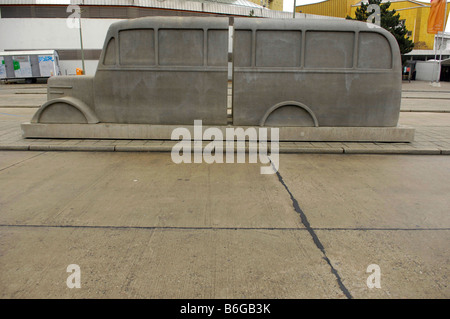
(242, 48)
(137, 47)
(217, 47)
(329, 49)
(278, 48)
(110, 54)
(374, 51)
(180, 47)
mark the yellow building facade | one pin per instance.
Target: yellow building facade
(413, 13)
(271, 4)
(331, 8)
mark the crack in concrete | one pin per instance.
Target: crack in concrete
(314, 237)
(19, 162)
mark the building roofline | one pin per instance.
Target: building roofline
(311, 4)
(225, 7)
(28, 52)
(427, 52)
(422, 4)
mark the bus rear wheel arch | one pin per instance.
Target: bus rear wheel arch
(289, 113)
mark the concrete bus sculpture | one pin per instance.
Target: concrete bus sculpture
(321, 77)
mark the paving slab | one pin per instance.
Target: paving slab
(22, 95)
(413, 264)
(87, 188)
(146, 263)
(425, 119)
(370, 191)
(9, 159)
(425, 105)
(439, 95)
(425, 86)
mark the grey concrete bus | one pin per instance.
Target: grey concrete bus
(285, 72)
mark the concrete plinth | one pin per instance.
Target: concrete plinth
(164, 132)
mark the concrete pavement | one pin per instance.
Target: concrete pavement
(22, 95)
(420, 96)
(140, 226)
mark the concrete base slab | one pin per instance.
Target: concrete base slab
(164, 132)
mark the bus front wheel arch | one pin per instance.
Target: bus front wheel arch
(65, 110)
(289, 113)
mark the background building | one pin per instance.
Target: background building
(48, 24)
(331, 8)
(271, 4)
(414, 14)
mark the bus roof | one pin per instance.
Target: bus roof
(211, 22)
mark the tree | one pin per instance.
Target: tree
(390, 20)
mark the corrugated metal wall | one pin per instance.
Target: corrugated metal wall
(331, 8)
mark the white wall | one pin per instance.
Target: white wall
(427, 71)
(31, 34)
(52, 33)
(442, 43)
(69, 67)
